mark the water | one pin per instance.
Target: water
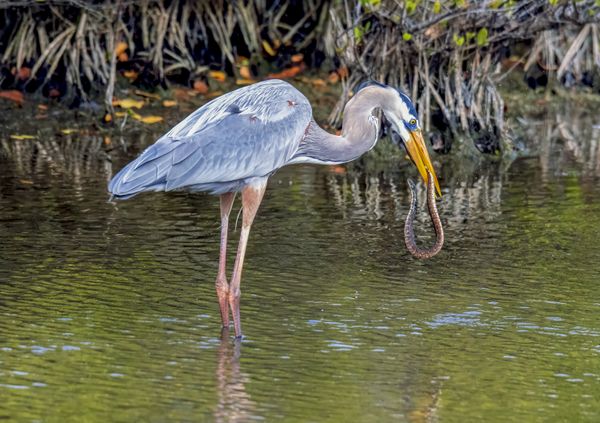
(108, 313)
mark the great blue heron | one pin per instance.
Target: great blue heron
(236, 141)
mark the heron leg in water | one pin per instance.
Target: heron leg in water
(221, 284)
(251, 197)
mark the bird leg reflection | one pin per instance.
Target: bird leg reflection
(221, 284)
(251, 198)
(233, 402)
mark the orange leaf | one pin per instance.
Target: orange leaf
(169, 103)
(333, 78)
(120, 47)
(42, 107)
(107, 118)
(245, 72)
(122, 57)
(23, 73)
(318, 82)
(286, 73)
(201, 87)
(218, 75)
(13, 95)
(297, 58)
(343, 72)
(339, 170)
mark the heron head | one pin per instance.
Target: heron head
(401, 113)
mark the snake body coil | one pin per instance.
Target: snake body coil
(409, 234)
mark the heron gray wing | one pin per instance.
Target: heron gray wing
(247, 133)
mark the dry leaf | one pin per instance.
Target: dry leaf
(286, 73)
(268, 48)
(26, 181)
(214, 94)
(169, 103)
(128, 103)
(343, 72)
(24, 73)
(13, 95)
(146, 94)
(201, 87)
(245, 72)
(120, 47)
(243, 81)
(122, 57)
(68, 131)
(297, 58)
(130, 74)
(147, 119)
(218, 75)
(20, 137)
(107, 118)
(333, 78)
(42, 107)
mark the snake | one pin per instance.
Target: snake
(409, 234)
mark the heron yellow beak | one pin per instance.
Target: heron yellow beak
(415, 146)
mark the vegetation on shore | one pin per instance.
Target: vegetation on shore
(450, 56)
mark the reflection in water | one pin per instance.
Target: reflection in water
(233, 402)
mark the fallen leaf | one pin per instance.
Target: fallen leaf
(343, 72)
(146, 94)
(122, 57)
(243, 81)
(318, 82)
(130, 74)
(42, 107)
(218, 75)
(107, 141)
(286, 73)
(268, 48)
(333, 78)
(107, 118)
(338, 170)
(147, 119)
(214, 94)
(128, 103)
(13, 95)
(24, 73)
(201, 87)
(120, 47)
(169, 103)
(120, 114)
(21, 137)
(297, 58)
(245, 72)
(68, 131)
(26, 181)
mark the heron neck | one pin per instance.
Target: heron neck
(360, 130)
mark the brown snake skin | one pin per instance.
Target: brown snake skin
(409, 234)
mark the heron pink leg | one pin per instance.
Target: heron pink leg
(251, 198)
(221, 284)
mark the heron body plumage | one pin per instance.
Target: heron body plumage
(236, 141)
(241, 135)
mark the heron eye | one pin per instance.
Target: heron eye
(413, 122)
